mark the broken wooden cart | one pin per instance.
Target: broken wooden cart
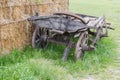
(61, 28)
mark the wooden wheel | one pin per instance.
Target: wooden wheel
(72, 16)
(82, 41)
(39, 38)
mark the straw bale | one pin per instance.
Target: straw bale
(5, 12)
(21, 2)
(60, 7)
(46, 1)
(14, 36)
(13, 2)
(60, 1)
(4, 2)
(14, 33)
(17, 12)
(17, 2)
(46, 9)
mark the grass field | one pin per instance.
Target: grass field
(32, 64)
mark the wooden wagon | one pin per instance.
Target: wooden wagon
(62, 28)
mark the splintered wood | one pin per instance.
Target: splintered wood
(13, 15)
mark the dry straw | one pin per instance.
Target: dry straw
(13, 15)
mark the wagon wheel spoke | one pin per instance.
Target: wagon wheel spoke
(38, 34)
(37, 40)
(38, 44)
(84, 40)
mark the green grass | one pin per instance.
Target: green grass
(33, 64)
(46, 64)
